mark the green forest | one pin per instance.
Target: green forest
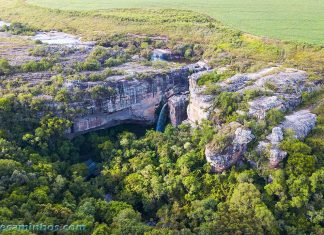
(131, 179)
(155, 178)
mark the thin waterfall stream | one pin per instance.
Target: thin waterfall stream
(162, 118)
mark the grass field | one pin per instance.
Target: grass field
(295, 20)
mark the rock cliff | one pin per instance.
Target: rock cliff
(199, 103)
(135, 99)
(178, 108)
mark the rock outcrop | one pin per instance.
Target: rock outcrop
(221, 158)
(260, 106)
(301, 123)
(178, 108)
(277, 89)
(199, 104)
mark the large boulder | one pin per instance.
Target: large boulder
(276, 136)
(300, 123)
(222, 155)
(276, 156)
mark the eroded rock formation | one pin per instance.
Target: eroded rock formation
(278, 88)
(300, 123)
(222, 157)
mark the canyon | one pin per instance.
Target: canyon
(134, 92)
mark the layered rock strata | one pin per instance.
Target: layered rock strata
(178, 108)
(135, 99)
(199, 107)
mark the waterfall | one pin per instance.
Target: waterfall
(162, 118)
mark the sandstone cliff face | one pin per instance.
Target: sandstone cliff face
(199, 104)
(135, 99)
(178, 108)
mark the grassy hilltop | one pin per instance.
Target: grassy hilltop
(296, 20)
(221, 44)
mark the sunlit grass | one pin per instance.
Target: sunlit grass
(297, 20)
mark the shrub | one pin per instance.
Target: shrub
(99, 92)
(39, 51)
(88, 65)
(188, 53)
(35, 66)
(100, 53)
(112, 62)
(19, 29)
(274, 117)
(103, 75)
(227, 102)
(214, 77)
(5, 67)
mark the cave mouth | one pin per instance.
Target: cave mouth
(86, 143)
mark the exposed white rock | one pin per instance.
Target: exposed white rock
(199, 103)
(243, 136)
(60, 38)
(276, 156)
(240, 81)
(263, 146)
(276, 136)
(301, 123)
(281, 88)
(260, 106)
(221, 160)
(287, 81)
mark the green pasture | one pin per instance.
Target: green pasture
(295, 20)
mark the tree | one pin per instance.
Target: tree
(101, 229)
(106, 150)
(128, 221)
(243, 213)
(7, 167)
